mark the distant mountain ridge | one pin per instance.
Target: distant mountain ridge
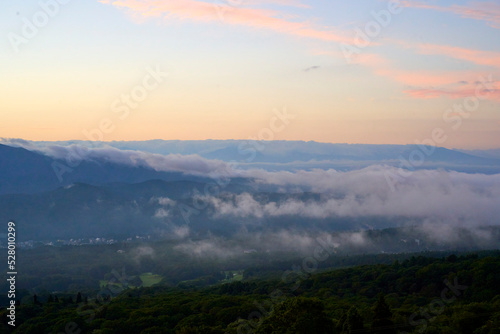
(30, 167)
(283, 151)
(24, 171)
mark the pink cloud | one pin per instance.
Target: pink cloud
(429, 93)
(231, 13)
(292, 3)
(478, 57)
(434, 84)
(425, 78)
(488, 58)
(488, 12)
(417, 78)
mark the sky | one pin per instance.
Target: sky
(366, 71)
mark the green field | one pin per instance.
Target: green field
(147, 279)
(105, 283)
(150, 279)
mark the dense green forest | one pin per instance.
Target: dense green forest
(421, 294)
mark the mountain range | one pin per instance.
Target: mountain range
(198, 189)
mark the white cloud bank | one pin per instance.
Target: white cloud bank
(372, 191)
(72, 155)
(433, 194)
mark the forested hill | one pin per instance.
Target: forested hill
(453, 294)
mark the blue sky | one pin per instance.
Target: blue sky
(231, 63)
